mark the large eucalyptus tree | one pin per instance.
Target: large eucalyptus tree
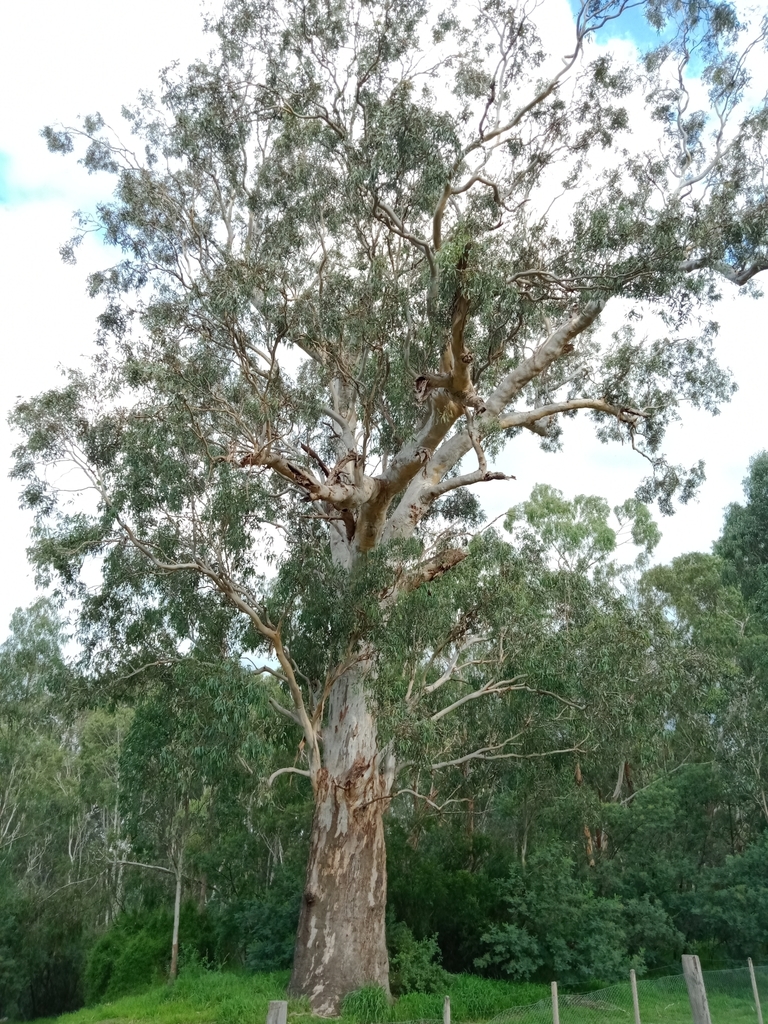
(363, 247)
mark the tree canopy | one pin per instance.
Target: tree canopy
(361, 248)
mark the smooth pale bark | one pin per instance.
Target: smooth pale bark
(341, 941)
(176, 914)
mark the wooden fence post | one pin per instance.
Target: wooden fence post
(697, 993)
(635, 1000)
(447, 1010)
(555, 1005)
(755, 993)
(277, 1012)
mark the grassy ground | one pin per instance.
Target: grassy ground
(229, 997)
(661, 1001)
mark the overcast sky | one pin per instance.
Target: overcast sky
(60, 60)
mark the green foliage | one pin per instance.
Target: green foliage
(123, 963)
(730, 909)
(414, 963)
(744, 542)
(136, 951)
(42, 953)
(441, 883)
(306, 190)
(558, 927)
(44, 921)
(578, 532)
(196, 405)
(267, 924)
(566, 871)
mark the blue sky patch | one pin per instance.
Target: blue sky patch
(632, 25)
(15, 193)
(5, 164)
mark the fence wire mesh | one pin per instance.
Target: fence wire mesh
(661, 1000)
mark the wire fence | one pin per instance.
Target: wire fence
(730, 996)
(659, 1001)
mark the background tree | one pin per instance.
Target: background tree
(89, 796)
(56, 818)
(342, 285)
(190, 734)
(743, 545)
(720, 600)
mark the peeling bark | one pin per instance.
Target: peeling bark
(341, 941)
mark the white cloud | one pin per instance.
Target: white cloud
(59, 60)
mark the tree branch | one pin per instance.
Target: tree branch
(735, 276)
(288, 771)
(501, 687)
(551, 349)
(286, 712)
(431, 803)
(428, 571)
(346, 431)
(338, 495)
(488, 754)
(139, 864)
(443, 413)
(449, 672)
(625, 414)
(421, 492)
(230, 591)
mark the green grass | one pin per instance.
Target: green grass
(232, 997)
(472, 999)
(661, 1001)
(208, 997)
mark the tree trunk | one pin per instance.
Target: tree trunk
(590, 847)
(176, 914)
(341, 941)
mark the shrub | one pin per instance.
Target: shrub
(415, 963)
(42, 951)
(267, 924)
(136, 951)
(728, 911)
(558, 927)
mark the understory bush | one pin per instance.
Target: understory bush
(729, 911)
(414, 963)
(558, 927)
(267, 924)
(136, 951)
(42, 950)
